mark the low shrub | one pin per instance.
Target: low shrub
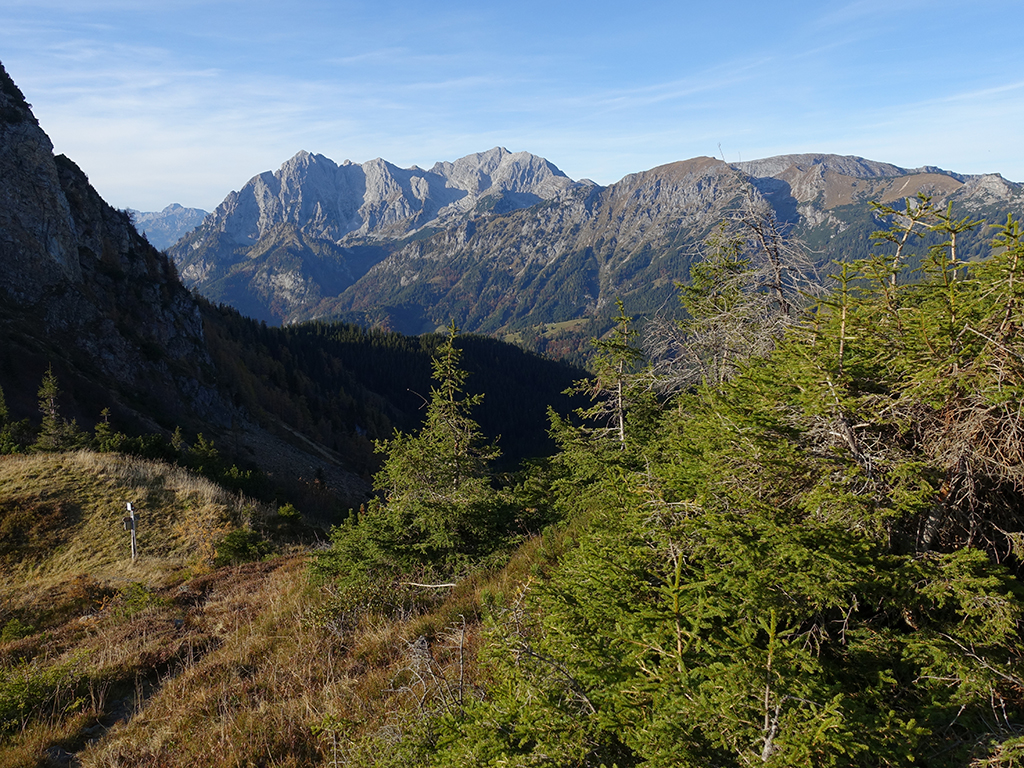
(241, 546)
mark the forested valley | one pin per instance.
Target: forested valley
(784, 531)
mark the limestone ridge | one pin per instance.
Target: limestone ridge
(570, 258)
(376, 199)
(500, 241)
(829, 181)
(845, 165)
(567, 259)
(291, 238)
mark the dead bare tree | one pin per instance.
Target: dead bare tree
(753, 282)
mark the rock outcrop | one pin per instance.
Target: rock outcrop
(82, 290)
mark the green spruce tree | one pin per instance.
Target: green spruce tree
(55, 432)
(7, 441)
(435, 509)
(105, 438)
(618, 384)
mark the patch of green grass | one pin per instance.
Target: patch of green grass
(133, 599)
(15, 629)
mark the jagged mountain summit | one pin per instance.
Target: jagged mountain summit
(506, 244)
(305, 232)
(164, 228)
(376, 199)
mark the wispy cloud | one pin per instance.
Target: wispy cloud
(161, 102)
(849, 15)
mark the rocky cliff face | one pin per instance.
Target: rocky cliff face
(82, 290)
(36, 252)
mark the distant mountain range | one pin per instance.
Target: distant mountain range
(505, 243)
(164, 228)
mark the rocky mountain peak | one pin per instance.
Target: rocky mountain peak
(991, 189)
(164, 228)
(498, 170)
(374, 199)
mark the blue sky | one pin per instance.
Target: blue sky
(164, 102)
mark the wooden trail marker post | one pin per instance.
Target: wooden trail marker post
(129, 525)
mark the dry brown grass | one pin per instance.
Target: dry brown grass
(279, 683)
(180, 664)
(181, 514)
